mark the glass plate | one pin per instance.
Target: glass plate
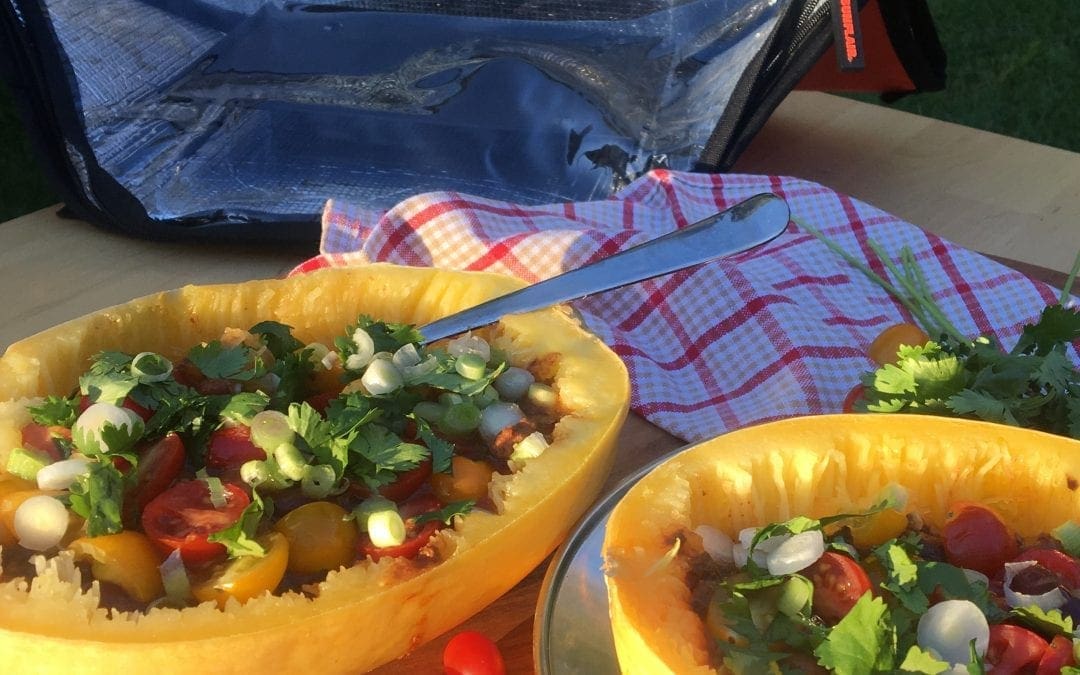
(573, 632)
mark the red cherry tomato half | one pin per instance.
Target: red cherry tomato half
(472, 653)
(839, 582)
(407, 483)
(1058, 654)
(416, 537)
(978, 539)
(1013, 649)
(854, 395)
(182, 517)
(1066, 567)
(229, 447)
(160, 463)
(43, 438)
(321, 401)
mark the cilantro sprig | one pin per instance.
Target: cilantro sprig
(1034, 384)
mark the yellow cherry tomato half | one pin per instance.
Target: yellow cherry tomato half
(128, 559)
(468, 479)
(885, 346)
(247, 576)
(878, 528)
(321, 537)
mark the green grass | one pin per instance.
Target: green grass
(1014, 68)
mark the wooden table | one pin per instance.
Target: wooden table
(1004, 197)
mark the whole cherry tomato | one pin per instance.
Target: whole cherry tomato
(1066, 567)
(183, 517)
(230, 446)
(1013, 649)
(854, 395)
(1058, 654)
(160, 463)
(472, 653)
(839, 582)
(44, 438)
(417, 536)
(885, 346)
(977, 538)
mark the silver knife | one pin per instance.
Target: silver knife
(748, 224)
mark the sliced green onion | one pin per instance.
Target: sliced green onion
(151, 367)
(530, 447)
(469, 344)
(470, 366)
(429, 364)
(429, 411)
(270, 428)
(497, 417)
(1068, 533)
(26, 463)
(541, 395)
(317, 481)
(386, 528)
(513, 383)
(317, 351)
(60, 475)
(460, 418)
(449, 398)
(407, 356)
(382, 377)
(41, 522)
(255, 472)
(365, 350)
(486, 397)
(175, 579)
(217, 491)
(290, 461)
(369, 506)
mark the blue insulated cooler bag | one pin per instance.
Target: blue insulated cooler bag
(220, 119)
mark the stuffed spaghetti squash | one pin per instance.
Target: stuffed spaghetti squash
(800, 480)
(354, 603)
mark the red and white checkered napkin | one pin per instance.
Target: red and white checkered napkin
(774, 332)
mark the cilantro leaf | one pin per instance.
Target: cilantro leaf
(442, 451)
(243, 406)
(1044, 622)
(387, 451)
(98, 496)
(239, 538)
(1056, 325)
(861, 642)
(54, 411)
(217, 361)
(446, 514)
(111, 387)
(918, 660)
(278, 338)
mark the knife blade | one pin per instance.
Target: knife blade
(744, 226)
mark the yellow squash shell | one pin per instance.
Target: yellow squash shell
(365, 615)
(813, 466)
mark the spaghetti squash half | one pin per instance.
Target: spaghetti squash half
(359, 616)
(816, 467)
